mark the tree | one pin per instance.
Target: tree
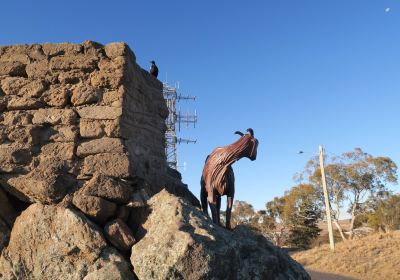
(302, 212)
(297, 212)
(386, 214)
(243, 213)
(306, 229)
(352, 178)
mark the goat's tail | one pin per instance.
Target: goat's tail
(203, 196)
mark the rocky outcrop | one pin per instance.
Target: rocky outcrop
(181, 243)
(50, 242)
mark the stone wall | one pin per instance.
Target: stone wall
(77, 109)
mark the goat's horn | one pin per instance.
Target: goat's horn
(240, 133)
(251, 131)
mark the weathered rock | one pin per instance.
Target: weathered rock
(64, 151)
(22, 87)
(119, 234)
(23, 103)
(112, 128)
(54, 116)
(114, 50)
(72, 77)
(181, 243)
(61, 133)
(38, 69)
(17, 118)
(62, 49)
(107, 188)
(30, 134)
(33, 89)
(79, 62)
(115, 165)
(49, 242)
(95, 207)
(113, 270)
(84, 94)
(99, 146)
(47, 183)
(100, 112)
(17, 153)
(91, 128)
(57, 96)
(93, 48)
(12, 68)
(22, 53)
(113, 97)
(106, 80)
(12, 85)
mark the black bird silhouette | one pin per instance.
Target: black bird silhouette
(154, 69)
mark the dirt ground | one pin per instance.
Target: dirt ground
(373, 257)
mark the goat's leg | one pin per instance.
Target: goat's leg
(203, 197)
(229, 204)
(213, 204)
(218, 209)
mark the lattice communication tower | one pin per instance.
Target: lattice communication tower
(174, 122)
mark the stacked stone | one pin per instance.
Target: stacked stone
(78, 110)
(81, 126)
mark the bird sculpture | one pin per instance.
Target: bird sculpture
(154, 69)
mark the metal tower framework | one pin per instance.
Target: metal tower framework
(174, 122)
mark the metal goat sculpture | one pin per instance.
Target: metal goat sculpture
(218, 179)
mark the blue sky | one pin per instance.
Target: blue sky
(300, 73)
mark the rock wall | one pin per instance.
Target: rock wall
(77, 110)
(81, 154)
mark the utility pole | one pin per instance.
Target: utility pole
(327, 204)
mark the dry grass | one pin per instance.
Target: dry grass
(373, 257)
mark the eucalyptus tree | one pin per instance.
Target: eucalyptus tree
(352, 178)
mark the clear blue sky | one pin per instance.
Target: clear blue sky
(300, 73)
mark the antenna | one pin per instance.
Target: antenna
(175, 120)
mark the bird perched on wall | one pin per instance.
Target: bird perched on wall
(154, 69)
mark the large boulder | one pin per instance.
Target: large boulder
(180, 242)
(51, 242)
